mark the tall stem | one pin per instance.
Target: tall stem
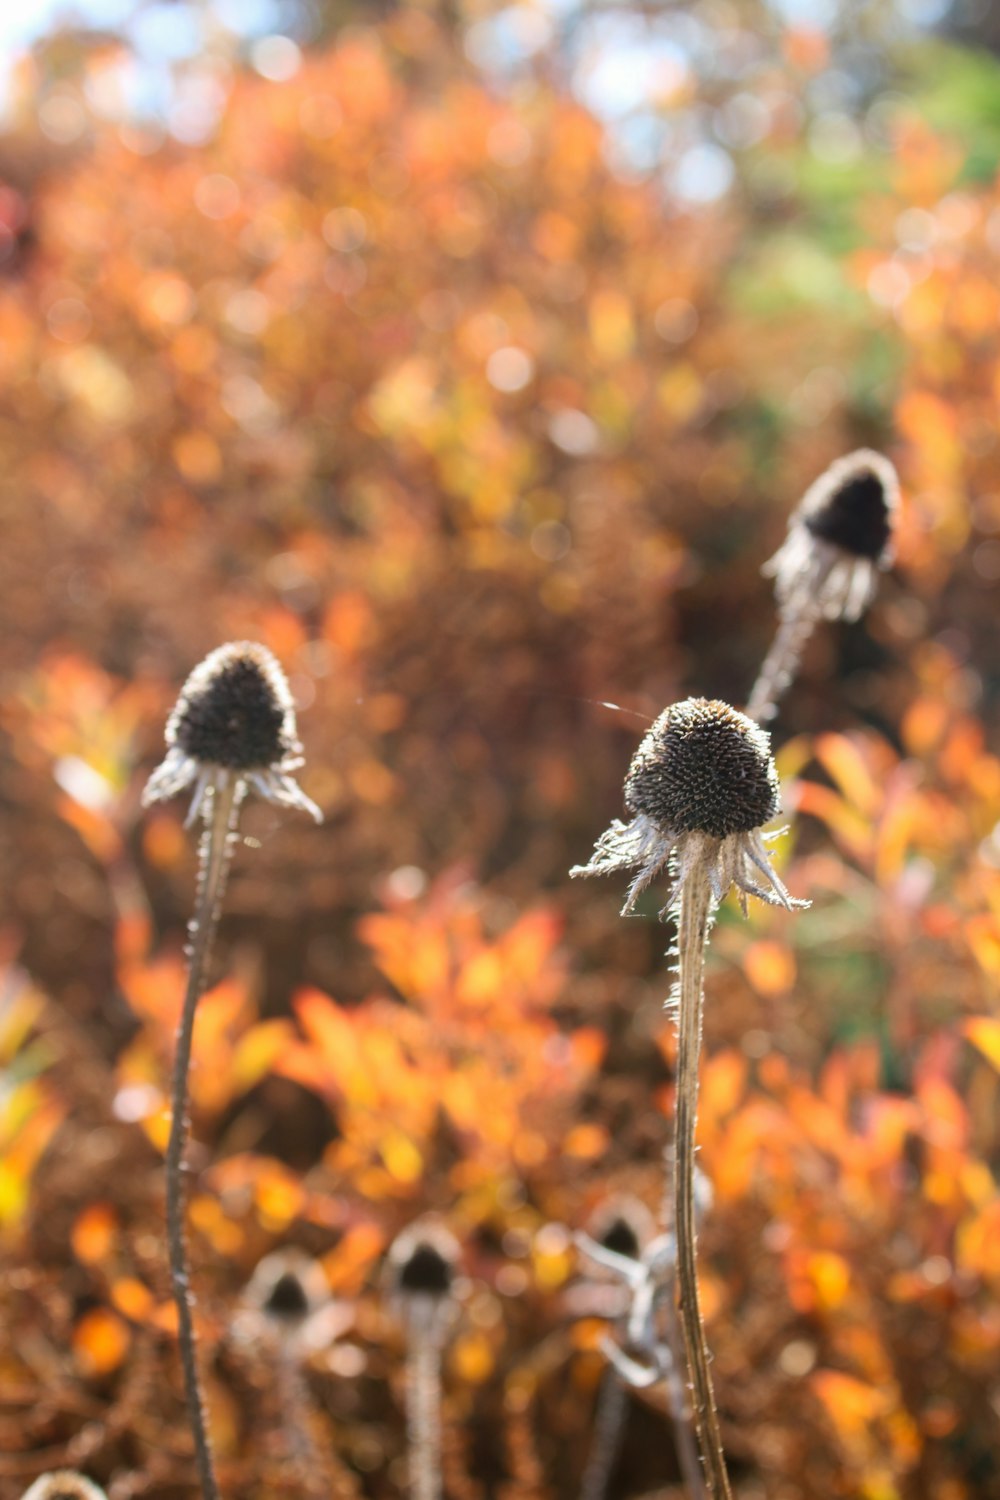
(609, 1422)
(216, 851)
(677, 1394)
(781, 662)
(684, 1438)
(423, 1408)
(693, 924)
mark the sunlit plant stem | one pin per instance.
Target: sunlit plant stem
(609, 1422)
(781, 663)
(423, 1410)
(695, 903)
(840, 537)
(221, 815)
(700, 789)
(421, 1274)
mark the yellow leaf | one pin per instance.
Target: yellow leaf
(984, 1032)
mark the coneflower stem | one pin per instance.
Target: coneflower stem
(321, 1474)
(694, 919)
(609, 1422)
(216, 851)
(423, 1408)
(677, 1395)
(680, 1407)
(781, 663)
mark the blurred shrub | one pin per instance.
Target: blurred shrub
(397, 374)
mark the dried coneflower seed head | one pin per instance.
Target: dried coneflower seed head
(704, 767)
(852, 505)
(235, 710)
(422, 1261)
(288, 1298)
(426, 1271)
(620, 1236)
(287, 1286)
(233, 724)
(700, 788)
(65, 1484)
(623, 1224)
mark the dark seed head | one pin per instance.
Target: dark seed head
(703, 768)
(288, 1298)
(426, 1271)
(66, 1484)
(852, 505)
(287, 1286)
(621, 1237)
(422, 1262)
(235, 710)
(622, 1224)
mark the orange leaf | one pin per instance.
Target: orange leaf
(93, 1233)
(723, 1084)
(984, 1033)
(844, 821)
(770, 967)
(841, 758)
(100, 1342)
(132, 1298)
(851, 1404)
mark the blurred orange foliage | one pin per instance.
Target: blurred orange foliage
(399, 374)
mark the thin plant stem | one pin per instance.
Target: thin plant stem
(680, 1409)
(609, 1423)
(677, 1397)
(782, 662)
(216, 852)
(294, 1399)
(423, 1408)
(694, 919)
(321, 1474)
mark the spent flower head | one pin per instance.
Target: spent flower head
(287, 1287)
(63, 1484)
(840, 537)
(622, 1224)
(287, 1304)
(422, 1261)
(235, 719)
(700, 787)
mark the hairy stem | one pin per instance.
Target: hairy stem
(321, 1474)
(609, 1422)
(216, 851)
(693, 924)
(677, 1396)
(680, 1410)
(423, 1409)
(781, 662)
